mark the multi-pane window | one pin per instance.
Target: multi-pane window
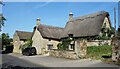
(72, 46)
(50, 46)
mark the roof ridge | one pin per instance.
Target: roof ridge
(23, 31)
(89, 15)
(51, 26)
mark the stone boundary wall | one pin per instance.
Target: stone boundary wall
(116, 49)
(98, 42)
(63, 54)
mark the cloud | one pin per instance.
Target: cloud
(44, 4)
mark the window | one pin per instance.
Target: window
(105, 24)
(72, 46)
(116, 53)
(50, 46)
(49, 40)
(70, 35)
(15, 40)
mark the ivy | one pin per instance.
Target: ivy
(65, 44)
(105, 31)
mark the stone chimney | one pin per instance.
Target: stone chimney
(70, 16)
(38, 21)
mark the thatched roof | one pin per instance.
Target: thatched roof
(88, 25)
(23, 35)
(1, 17)
(51, 32)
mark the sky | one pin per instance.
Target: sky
(22, 15)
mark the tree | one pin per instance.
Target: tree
(5, 40)
(1, 3)
(1, 21)
(1, 17)
(27, 44)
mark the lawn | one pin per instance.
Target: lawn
(96, 52)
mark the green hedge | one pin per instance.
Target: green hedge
(97, 52)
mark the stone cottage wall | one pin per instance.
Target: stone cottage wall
(41, 43)
(16, 43)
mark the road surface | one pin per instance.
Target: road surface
(39, 61)
(8, 60)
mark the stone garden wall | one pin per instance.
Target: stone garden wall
(63, 54)
(98, 42)
(116, 49)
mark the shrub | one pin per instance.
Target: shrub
(27, 44)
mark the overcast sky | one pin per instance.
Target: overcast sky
(22, 15)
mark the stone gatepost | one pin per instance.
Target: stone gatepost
(81, 48)
(77, 47)
(116, 49)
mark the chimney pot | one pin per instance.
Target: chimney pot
(70, 16)
(38, 21)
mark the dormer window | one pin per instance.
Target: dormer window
(70, 35)
(105, 24)
(106, 30)
(49, 40)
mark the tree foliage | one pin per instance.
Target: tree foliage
(6, 40)
(28, 43)
(1, 21)
(1, 17)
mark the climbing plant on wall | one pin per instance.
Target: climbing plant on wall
(64, 44)
(106, 34)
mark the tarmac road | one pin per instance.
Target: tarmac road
(8, 60)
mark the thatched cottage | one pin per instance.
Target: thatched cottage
(46, 37)
(87, 27)
(80, 31)
(19, 39)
